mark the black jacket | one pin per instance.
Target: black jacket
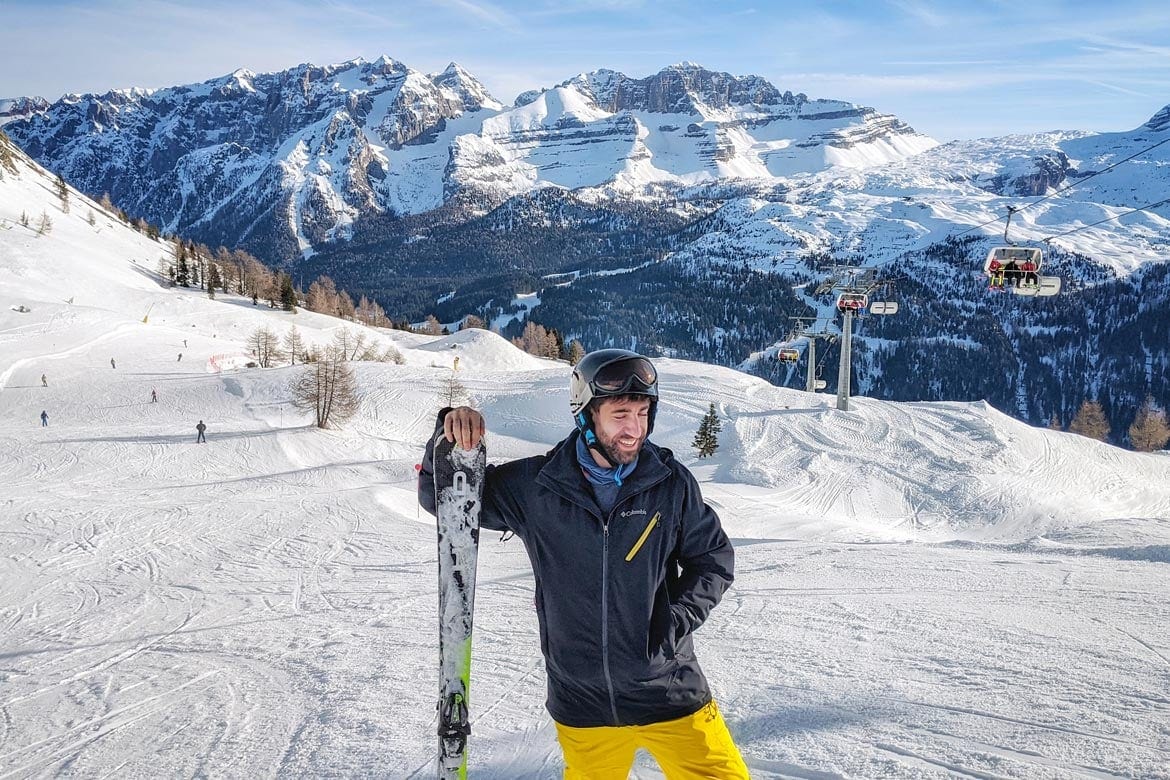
(617, 596)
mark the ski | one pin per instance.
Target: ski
(459, 478)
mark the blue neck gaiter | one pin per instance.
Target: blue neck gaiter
(599, 475)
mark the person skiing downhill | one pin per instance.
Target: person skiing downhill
(199, 437)
(44, 380)
(153, 396)
(628, 561)
(44, 419)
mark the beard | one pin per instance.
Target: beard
(619, 456)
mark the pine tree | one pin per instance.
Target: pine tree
(1149, 431)
(182, 272)
(63, 193)
(1090, 421)
(575, 352)
(46, 225)
(707, 437)
(213, 280)
(288, 296)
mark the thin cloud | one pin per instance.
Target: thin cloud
(485, 12)
(922, 12)
(1117, 88)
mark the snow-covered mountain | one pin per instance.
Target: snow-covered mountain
(20, 108)
(293, 156)
(922, 589)
(682, 125)
(285, 162)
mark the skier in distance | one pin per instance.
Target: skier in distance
(629, 561)
(200, 428)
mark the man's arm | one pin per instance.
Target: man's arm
(707, 560)
(463, 425)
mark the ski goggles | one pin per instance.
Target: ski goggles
(622, 376)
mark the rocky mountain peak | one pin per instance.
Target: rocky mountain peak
(684, 88)
(21, 108)
(469, 89)
(1160, 121)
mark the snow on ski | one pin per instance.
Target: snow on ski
(459, 477)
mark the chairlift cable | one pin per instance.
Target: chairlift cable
(1066, 188)
(1107, 219)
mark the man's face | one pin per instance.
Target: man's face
(621, 426)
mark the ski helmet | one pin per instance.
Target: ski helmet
(607, 373)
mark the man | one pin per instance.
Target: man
(628, 562)
(200, 437)
(44, 419)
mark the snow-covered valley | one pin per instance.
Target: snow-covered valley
(923, 589)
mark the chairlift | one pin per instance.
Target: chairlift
(883, 307)
(851, 301)
(788, 355)
(1017, 268)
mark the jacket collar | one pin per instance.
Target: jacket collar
(561, 474)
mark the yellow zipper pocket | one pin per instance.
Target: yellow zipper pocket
(642, 539)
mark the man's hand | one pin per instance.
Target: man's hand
(464, 426)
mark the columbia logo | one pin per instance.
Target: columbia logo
(632, 512)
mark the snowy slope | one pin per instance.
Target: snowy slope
(883, 212)
(923, 590)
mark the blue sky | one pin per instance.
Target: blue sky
(950, 69)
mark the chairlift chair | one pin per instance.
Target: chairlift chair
(1017, 268)
(849, 301)
(788, 355)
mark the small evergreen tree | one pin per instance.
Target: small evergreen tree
(575, 352)
(1149, 431)
(1090, 421)
(63, 193)
(288, 296)
(213, 280)
(182, 272)
(46, 225)
(707, 437)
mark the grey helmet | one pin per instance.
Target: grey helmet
(606, 373)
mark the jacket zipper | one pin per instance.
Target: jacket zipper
(605, 617)
(642, 539)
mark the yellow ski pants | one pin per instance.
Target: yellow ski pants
(697, 747)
